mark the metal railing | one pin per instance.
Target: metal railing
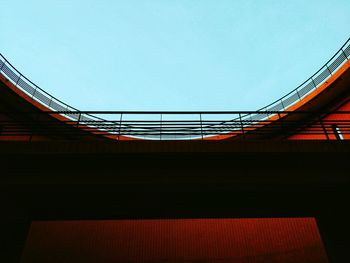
(168, 125)
(308, 86)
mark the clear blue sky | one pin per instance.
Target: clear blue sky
(171, 54)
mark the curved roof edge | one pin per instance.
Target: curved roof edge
(312, 85)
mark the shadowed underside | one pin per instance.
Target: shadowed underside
(115, 189)
(265, 240)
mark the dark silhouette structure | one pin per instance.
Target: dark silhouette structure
(288, 160)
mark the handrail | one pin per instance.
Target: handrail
(33, 90)
(309, 85)
(345, 46)
(138, 125)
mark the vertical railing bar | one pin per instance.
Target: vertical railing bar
(49, 105)
(298, 95)
(34, 93)
(78, 121)
(19, 77)
(242, 127)
(200, 118)
(120, 125)
(313, 82)
(284, 108)
(330, 72)
(336, 132)
(324, 129)
(346, 57)
(160, 128)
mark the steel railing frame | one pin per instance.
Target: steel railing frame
(296, 122)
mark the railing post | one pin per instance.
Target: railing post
(19, 77)
(49, 105)
(200, 118)
(330, 72)
(298, 95)
(336, 132)
(120, 125)
(242, 127)
(344, 54)
(284, 108)
(324, 129)
(160, 128)
(33, 93)
(78, 121)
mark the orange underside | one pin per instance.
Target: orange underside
(267, 240)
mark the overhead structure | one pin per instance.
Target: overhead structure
(270, 185)
(316, 109)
